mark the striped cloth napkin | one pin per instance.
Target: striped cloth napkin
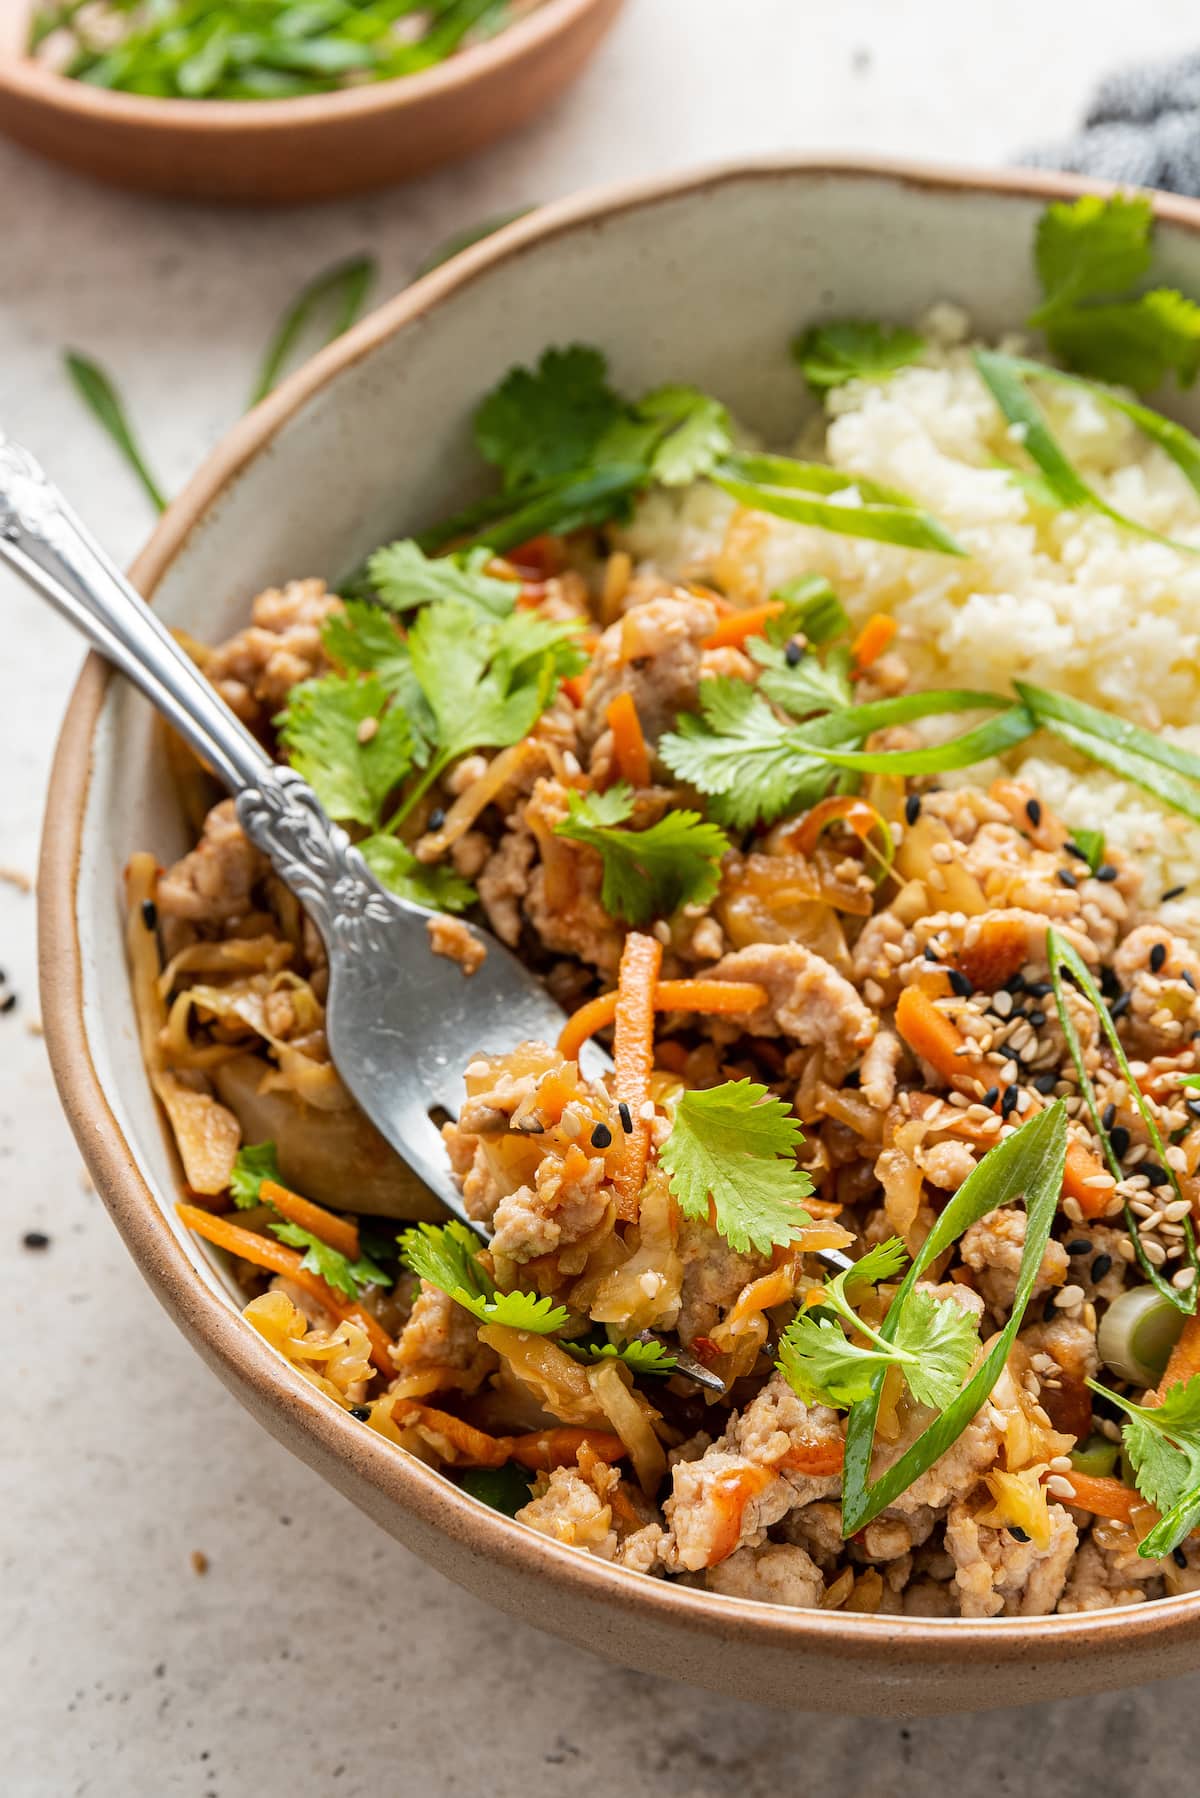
(1142, 128)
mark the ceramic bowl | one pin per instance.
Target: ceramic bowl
(373, 438)
(310, 148)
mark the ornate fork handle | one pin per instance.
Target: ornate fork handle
(47, 544)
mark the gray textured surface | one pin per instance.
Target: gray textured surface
(316, 1656)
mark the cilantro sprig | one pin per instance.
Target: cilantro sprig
(853, 349)
(404, 577)
(446, 1255)
(651, 872)
(255, 1163)
(933, 1344)
(639, 1357)
(734, 1146)
(1163, 1445)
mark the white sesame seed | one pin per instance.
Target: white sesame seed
(367, 728)
(476, 1070)
(1100, 1182)
(1058, 1487)
(942, 852)
(1177, 1210)
(1155, 1253)
(1060, 1464)
(1069, 1298)
(1125, 1249)
(1073, 1210)
(1002, 1004)
(936, 879)
(1176, 1159)
(1183, 1279)
(872, 992)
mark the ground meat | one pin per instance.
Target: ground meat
(945, 1164)
(775, 1573)
(569, 1509)
(1164, 1009)
(1110, 1574)
(1013, 873)
(869, 960)
(892, 1535)
(947, 933)
(713, 1276)
(992, 1250)
(551, 1214)
(817, 1528)
(563, 901)
(505, 881)
(877, 1076)
(807, 1000)
(999, 1575)
(215, 881)
(451, 938)
(440, 1334)
(653, 653)
(256, 670)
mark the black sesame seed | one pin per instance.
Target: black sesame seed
(1009, 1053)
(437, 818)
(1100, 1266)
(149, 914)
(912, 808)
(793, 653)
(931, 953)
(1037, 1019)
(958, 980)
(1106, 871)
(1049, 1310)
(361, 1412)
(1110, 986)
(626, 1120)
(1074, 849)
(1155, 1175)
(35, 1239)
(1033, 811)
(1187, 979)
(1008, 1103)
(1067, 878)
(1172, 893)
(1017, 1533)
(601, 1136)
(1121, 1006)
(1045, 1083)
(1080, 1245)
(991, 1095)
(853, 1080)
(1038, 989)
(1015, 984)
(8, 1002)
(1193, 1106)
(1179, 1558)
(1158, 956)
(1119, 1141)
(1108, 1116)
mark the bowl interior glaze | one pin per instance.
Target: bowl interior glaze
(704, 280)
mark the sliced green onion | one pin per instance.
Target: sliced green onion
(1171, 437)
(342, 289)
(979, 745)
(1120, 746)
(778, 485)
(1062, 956)
(103, 401)
(1096, 1457)
(1137, 1333)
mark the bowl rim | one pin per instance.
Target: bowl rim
(32, 81)
(270, 1387)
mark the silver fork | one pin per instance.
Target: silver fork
(402, 1023)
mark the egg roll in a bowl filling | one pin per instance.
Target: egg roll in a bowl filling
(847, 793)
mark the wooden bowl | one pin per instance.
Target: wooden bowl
(372, 438)
(311, 148)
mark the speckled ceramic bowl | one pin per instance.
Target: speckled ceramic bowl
(310, 148)
(699, 279)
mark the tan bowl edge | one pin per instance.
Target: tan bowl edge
(506, 1558)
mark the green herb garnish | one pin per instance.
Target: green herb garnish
(345, 1276)
(103, 401)
(1029, 1163)
(447, 1256)
(253, 1163)
(1164, 769)
(854, 350)
(404, 577)
(647, 873)
(1064, 959)
(1090, 844)
(340, 292)
(1163, 1445)
(786, 489)
(639, 1357)
(933, 1345)
(735, 1145)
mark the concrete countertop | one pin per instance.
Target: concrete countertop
(314, 1655)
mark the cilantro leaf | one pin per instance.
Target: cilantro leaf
(647, 873)
(321, 731)
(345, 1276)
(1091, 246)
(446, 1255)
(638, 1356)
(698, 433)
(253, 1163)
(854, 350)
(811, 607)
(397, 867)
(1091, 845)
(736, 1145)
(1163, 1445)
(486, 684)
(806, 685)
(362, 637)
(1088, 254)
(742, 755)
(933, 1343)
(405, 577)
(548, 421)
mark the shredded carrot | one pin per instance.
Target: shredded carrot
(1184, 1361)
(1103, 1496)
(545, 1449)
(672, 1056)
(633, 1059)
(936, 1038)
(475, 1447)
(575, 686)
(856, 814)
(338, 1232)
(1082, 1166)
(276, 1258)
(872, 640)
(629, 745)
(726, 997)
(733, 630)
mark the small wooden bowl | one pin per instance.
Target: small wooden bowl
(313, 148)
